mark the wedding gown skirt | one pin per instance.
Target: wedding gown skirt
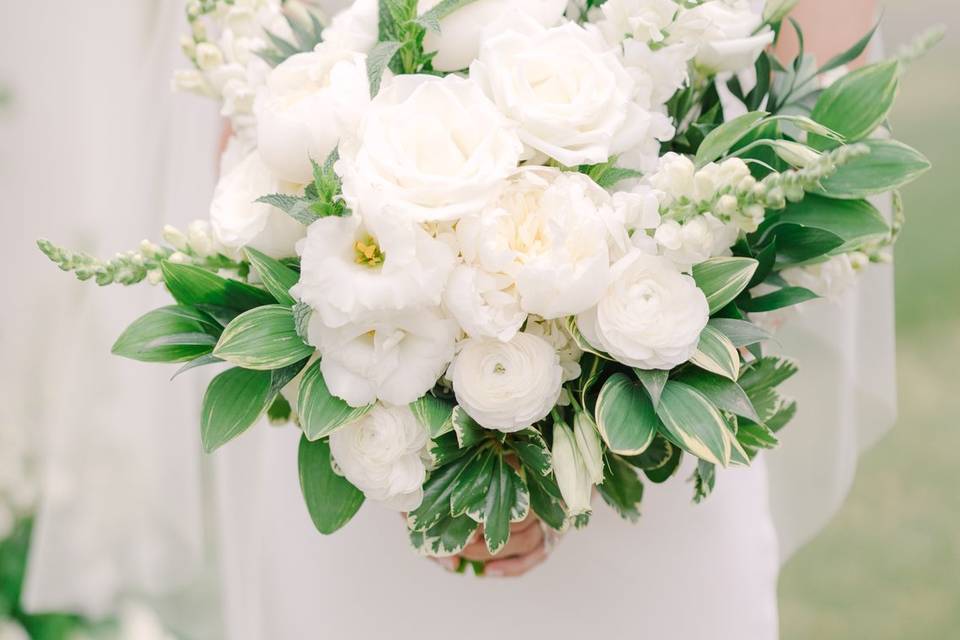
(683, 571)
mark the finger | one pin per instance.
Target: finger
(449, 563)
(523, 543)
(524, 524)
(476, 551)
(515, 567)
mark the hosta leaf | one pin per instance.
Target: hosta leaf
(857, 103)
(201, 361)
(722, 392)
(507, 500)
(168, 334)
(468, 431)
(545, 500)
(331, 500)
(722, 279)
(621, 488)
(626, 418)
(190, 285)
(889, 165)
(653, 381)
(532, 450)
(447, 537)
(434, 413)
(724, 137)
(321, 412)
(740, 332)
(695, 423)
(233, 402)
(276, 276)
(716, 353)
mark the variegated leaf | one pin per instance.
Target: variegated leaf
(695, 423)
(716, 354)
(321, 412)
(723, 279)
(434, 413)
(626, 417)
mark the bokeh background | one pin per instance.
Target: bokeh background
(888, 567)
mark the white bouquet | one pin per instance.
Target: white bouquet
(488, 255)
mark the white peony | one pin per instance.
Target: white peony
(351, 269)
(312, 99)
(394, 357)
(643, 20)
(428, 149)
(238, 221)
(507, 386)
(565, 88)
(486, 305)
(459, 39)
(724, 33)
(651, 316)
(381, 454)
(549, 231)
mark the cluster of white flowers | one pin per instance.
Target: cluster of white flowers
(471, 238)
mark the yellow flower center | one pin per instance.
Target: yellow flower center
(368, 252)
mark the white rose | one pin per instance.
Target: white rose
(565, 87)
(642, 20)
(312, 99)
(351, 269)
(487, 305)
(429, 149)
(381, 454)
(723, 31)
(460, 34)
(550, 232)
(507, 386)
(238, 221)
(356, 28)
(651, 316)
(395, 357)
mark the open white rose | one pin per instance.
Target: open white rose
(487, 305)
(507, 386)
(651, 316)
(238, 221)
(460, 34)
(724, 32)
(312, 99)
(350, 269)
(564, 86)
(394, 357)
(428, 149)
(549, 231)
(381, 454)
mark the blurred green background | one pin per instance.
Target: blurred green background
(888, 567)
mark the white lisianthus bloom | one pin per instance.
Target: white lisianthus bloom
(356, 28)
(829, 279)
(643, 20)
(565, 88)
(550, 232)
(650, 317)
(696, 240)
(460, 34)
(394, 357)
(723, 31)
(506, 386)
(351, 269)
(487, 305)
(238, 221)
(382, 455)
(429, 149)
(311, 100)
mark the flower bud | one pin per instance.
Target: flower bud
(179, 258)
(175, 237)
(191, 81)
(727, 205)
(198, 238)
(155, 276)
(588, 444)
(572, 475)
(209, 56)
(794, 153)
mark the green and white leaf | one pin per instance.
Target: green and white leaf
(276, 276)
(625, 415)
(546, 500)
(264, 338)
(856, 104)
(449, 536)
(889, 165)
(621, 488)
(233, 402)
(168, 334)
(723, 279)
(434, 413)
(321, 412)
(437, 491)
(470, 487)
(331, 500)
(780, 299)
(507, 500)
(532, 450)
(468, 431)
(741, 333)
(724, 393)
(716, 353)
(653, 381)
(695, 423)
(724, 137)
(192, 286)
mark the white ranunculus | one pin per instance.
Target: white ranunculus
(428, 149)
(460, 34)
(724, 33)
(381, 454)
(564, 86)
(487, 305)
(356, 28)
(395, 357)
(650, 317)
(238, 221)
(643, 20)
(312, 100)
(506, 386)
(350, 269)
(550, 232)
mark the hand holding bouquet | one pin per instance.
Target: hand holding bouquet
(489, 255)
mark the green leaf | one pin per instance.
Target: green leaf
(722, 279)
(201, 361)
(580, 341)
(301, 320)
(471, 486)
(661, 474)
(783, 414)
(447, 537)
(507, 500)
(468, 431)
(889, 165)
(168, 334)
(321, 412)
(190, 285)
(331, 500)
(299, 208)
(276, 276)
(545, 500)
(716, 353)
(653, 381)
(607, 174)
(657, 454)
(740, 332)
(431, 19)
(856, 104)
(591, 370)
(850, 54)
(724, 393)
(694, 423)
(233, 402)
(621, 488)
(767, 373)
(434, 413)
(797, 245)
(263, 338)
(437, 491)
(532, 450)
(704, 478)
(445, 449)
(378, 61)
(724, 137)
(786, 297)
(280, 411)
(753, 436)
(626, 417)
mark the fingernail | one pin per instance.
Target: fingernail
(450, 564)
